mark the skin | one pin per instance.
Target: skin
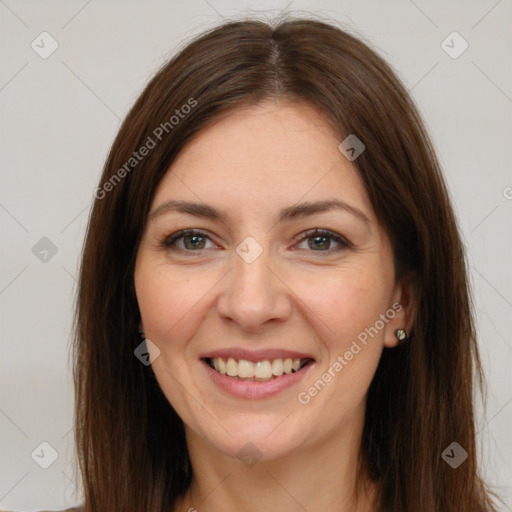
(251, 164)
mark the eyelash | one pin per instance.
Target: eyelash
(168, 242)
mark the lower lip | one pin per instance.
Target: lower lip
(248, 389)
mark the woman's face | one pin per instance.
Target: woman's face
(255, 286)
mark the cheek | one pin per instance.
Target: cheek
(350, 304)
(166, 300)
(346, 301)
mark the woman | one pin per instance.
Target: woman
(273, 310)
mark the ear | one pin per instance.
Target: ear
(403, 305)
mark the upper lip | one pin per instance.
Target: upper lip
(256, 355)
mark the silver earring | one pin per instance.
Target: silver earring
(402, 335)
(141, 334)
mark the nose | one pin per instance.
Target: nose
(254, 295)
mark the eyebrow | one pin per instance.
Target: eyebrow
(295, 211)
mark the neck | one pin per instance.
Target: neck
(317, 477)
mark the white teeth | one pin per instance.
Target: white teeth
(245, 368)
(277, 367)
(232, 367)
(261, 370)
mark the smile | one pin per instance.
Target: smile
(256, 371)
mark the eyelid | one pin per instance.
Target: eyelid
(327, 233)
(168, 241)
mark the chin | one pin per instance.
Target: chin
(253, 445)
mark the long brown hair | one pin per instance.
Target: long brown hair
(130, 442)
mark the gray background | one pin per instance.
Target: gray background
(59, 115)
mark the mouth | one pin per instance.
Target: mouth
(257, 371)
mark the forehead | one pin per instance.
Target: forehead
(277, 152)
